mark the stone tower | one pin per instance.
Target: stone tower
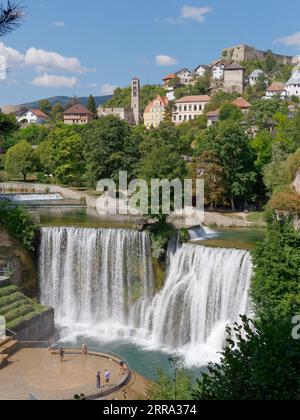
(136, 100)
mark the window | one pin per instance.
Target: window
(195, 107)
(185, 108)
(190, 108)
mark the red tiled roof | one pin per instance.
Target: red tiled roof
(276, 87)
(38, 113)
(194, 98)
(213, 113)
(78, 109)
(163, 100)
(241, 103)
(170, 77)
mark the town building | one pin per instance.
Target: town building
(31, 116)
(201, 70)
(78, 115)
(189, 107)
(212, 117)
(184, 76)
(292, 86)
(242, 53)
(218, 70)
(254, 76)
(276, 90)
(242, 104)
(154, 112)
(168, 79)
(131, 115)
(234, 78)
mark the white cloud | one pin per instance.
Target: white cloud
(108, 89)
(290, 40)
(196, 13)
(49, 80)
(11, 56)
(165, 60)
(58, 24)
(47, 60)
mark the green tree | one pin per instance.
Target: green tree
(259, 362)
(109, 147)
(45, 106)
(57, 112)
(66, 155)
(231, 112)
(8, 126)
(276, 281)
(262, 145)
(45, 159)
(270, 62)
(91, 105)
(19, 160)
(33, 134)
(230, 144)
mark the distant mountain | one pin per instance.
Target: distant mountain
(65, 99)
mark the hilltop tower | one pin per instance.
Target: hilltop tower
(136, 100)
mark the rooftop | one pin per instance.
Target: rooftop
(78, 109)
(234, 66)
(295, 79)
(192, 99)
(256, 73)
(241, 103)
(276, 87)
(162, 99)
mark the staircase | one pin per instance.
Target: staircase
(7, 347)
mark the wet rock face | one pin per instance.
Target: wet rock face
(20, 262)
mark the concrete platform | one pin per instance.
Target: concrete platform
(39, 372)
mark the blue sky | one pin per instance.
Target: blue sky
(68, 47)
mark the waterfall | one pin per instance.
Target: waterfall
(101, 280)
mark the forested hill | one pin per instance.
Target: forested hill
(64, 100)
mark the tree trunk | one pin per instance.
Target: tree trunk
(24, 176)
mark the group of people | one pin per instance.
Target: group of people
(106, 378)
(107, 373)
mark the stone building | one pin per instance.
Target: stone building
(78, 115)
(242, 53)
(131, 115)
(234, 78)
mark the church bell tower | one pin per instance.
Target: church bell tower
(136, 100)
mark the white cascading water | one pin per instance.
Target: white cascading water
(100, 283)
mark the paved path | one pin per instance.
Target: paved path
(37, 371)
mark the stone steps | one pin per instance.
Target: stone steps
(7, 348)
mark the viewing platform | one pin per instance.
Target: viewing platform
(39, 372)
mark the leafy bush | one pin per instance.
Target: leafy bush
(18, 223)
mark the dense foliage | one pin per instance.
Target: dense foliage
(18, 223)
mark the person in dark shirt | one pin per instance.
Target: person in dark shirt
(98, 380)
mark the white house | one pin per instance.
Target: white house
(276, 90)
(254, 76)
(184, 76)
(189, 107)
(218, 70)
(31, 116)
(293, 84)
(201, 70)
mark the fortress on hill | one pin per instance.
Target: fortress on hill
(242, 53)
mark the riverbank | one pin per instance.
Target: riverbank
(211, 219)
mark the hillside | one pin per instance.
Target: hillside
(65, 99)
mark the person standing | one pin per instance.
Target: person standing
(62, 354)
(98, 380)
(107, 377)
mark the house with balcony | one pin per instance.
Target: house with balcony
(78, 115)
(30, 116)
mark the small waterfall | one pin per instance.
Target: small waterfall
(31, 197)
(100, 282)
